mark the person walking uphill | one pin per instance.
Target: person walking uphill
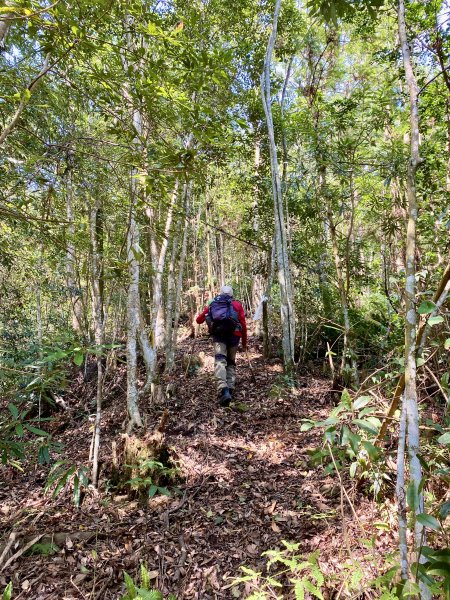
(225, 318)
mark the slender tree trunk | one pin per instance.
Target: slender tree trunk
(172, 343)
(171, 285)
(71, 279)
(133, 316)
(410, 398)
(157, 300)
(267, 343)
(284, 187)
(347, 361)
(96, 225)
(209, 282)
(401, 497)
(284, 275)
(258, 277)
(220, 258)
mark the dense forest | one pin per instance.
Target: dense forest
(153, 152)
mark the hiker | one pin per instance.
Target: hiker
(225, 318)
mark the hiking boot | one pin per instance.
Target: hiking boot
(225, 397)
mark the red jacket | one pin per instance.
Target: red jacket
(241, 316)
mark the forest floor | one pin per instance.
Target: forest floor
(246, 483)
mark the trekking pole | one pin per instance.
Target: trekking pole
(250, 366)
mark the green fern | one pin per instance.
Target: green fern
(7, 594)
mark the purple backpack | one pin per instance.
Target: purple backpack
(223, 319)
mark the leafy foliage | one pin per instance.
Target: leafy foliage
(63, 476)
(142, 591)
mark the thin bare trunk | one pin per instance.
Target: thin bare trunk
(401, 497)
(172, 343)
(171, 286)
(348, 362)
(210, 282)
(96, 223)
(410, 398)
(72, 284)
(284, 274)
(157, 300)
(133, 318)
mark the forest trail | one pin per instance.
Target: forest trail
(247, 484)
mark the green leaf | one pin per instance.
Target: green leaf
(13, 410)
(435, 320)
(346, 398)
(36, 431)
(440, 555)
(131, 588)
(307, 426)
(445, 438)
(447, 344)
(78, 358)
(44, 455)
(7, 593)
(444, 510)
(299, 590)
(366, 425)
(429, 521)
(426, 307)
(372, 451)
(328, 422)
(353, 468)
(361, 402)
(355, 440)
(145, 579)
(312, 589)
(273, 582)
(76, 491)
(152, 490)
(410, 589)
(439, 568)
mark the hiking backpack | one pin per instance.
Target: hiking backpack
(222, 318)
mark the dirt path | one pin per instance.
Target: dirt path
(248, 484)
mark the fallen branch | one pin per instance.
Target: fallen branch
(21, 551)
(6, 549)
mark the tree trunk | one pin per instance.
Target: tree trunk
(171, 288)
(71, 279)
(348, 369)
(284, 275)
(172, 343)
(401, 497)
(410, 398)
(157, 311)
(210, 281)
(133, 317)
(96, 226)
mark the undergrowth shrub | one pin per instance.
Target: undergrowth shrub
(143, 591)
